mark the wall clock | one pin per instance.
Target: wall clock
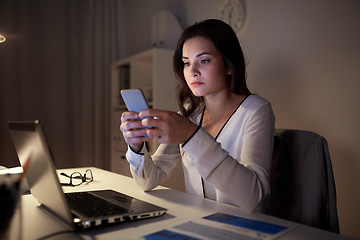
(233, 13)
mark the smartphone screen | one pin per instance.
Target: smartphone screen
(134, 100)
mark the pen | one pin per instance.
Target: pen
(26, 165)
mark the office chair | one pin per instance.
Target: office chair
(302, 182)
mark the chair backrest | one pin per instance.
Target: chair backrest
(302, 182)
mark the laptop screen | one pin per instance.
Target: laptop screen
(30, 143)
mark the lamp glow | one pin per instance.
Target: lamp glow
(2, 38)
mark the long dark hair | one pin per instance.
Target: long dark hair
(227, 44)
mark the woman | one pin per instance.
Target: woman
(223, 134)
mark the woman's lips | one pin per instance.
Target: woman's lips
(196, 83)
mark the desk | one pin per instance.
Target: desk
(181, 207)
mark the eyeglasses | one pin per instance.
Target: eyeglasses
(76, 178)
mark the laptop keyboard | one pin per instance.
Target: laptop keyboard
(90, 205)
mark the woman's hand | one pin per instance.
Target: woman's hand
(133, 131)
(169, 127)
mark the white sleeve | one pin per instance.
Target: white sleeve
(150, 171)
(244, 178)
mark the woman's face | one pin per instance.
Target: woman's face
(204, 68)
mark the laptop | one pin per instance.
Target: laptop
(29, 140)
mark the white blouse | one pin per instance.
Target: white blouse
(234, 168)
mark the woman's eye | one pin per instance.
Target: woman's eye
(205, 61)
(186, 64)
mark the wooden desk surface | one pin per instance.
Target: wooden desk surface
(181, 207)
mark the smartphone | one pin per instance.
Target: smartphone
(134, 100)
